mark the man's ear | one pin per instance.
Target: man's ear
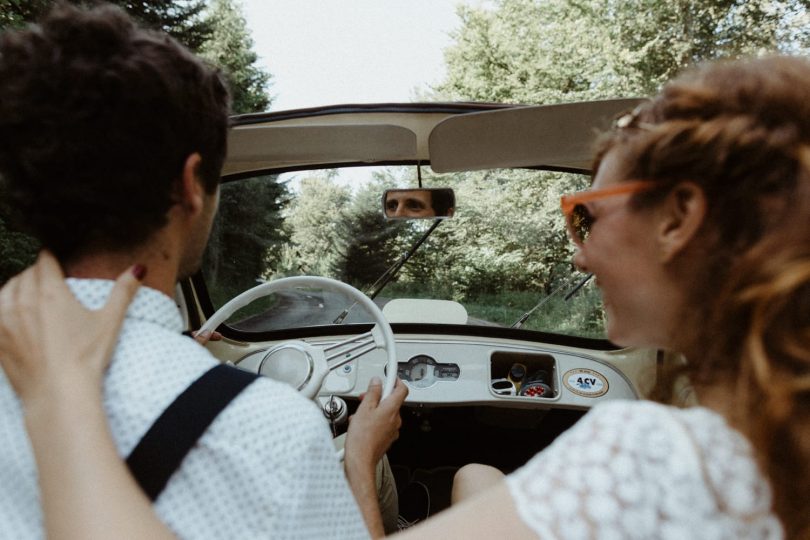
(682, 214)
(192, 192)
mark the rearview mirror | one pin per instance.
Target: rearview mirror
(422, 203)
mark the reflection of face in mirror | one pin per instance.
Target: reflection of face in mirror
(418, 203)
(411, 203)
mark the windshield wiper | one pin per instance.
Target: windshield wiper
(523, 318)
(389, 274)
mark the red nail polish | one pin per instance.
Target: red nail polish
(139, 271)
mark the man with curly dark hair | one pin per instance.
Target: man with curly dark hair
(112, 139)
(98, 120)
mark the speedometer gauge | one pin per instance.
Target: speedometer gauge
(422, 371)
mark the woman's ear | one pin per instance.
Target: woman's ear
(682, 214)
(192, 192)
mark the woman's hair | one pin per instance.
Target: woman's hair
(741, 130)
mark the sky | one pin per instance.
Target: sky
(323, 52)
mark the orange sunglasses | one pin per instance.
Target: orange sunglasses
(578, 218)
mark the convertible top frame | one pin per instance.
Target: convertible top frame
(449, 137)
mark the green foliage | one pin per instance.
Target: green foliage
(17, 250)
(247, 235)
(367, 243)
(184, 20)
(181, 19)
(15, 13)
(313, 220)
(231, 48)
(581, 315)
(217, 31)
(507, 234)
(547, 51)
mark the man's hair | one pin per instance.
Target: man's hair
(97, 119)
(442, 200)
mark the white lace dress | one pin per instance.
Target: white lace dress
(637, 469)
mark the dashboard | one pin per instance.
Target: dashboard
(468, 370)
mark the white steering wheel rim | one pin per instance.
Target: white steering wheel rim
(265, 289)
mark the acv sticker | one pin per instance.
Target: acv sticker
(585, 382)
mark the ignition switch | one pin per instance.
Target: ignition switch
(336, 411)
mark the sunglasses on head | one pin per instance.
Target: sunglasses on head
(631, 119)
(578, 218)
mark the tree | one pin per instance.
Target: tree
(547, 51)
(367, 242)
(484, 249)
(181, 19)
(527, 51)
(17, 250)
(15, 13)
(231, 48)
(184, 20)
(247, 237)
(313, 219)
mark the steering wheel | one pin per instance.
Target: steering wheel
(303, 365)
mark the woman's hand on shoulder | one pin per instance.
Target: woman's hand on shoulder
(48, 338)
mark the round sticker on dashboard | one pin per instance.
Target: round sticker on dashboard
(585, 382)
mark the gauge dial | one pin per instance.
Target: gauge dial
(422, 371)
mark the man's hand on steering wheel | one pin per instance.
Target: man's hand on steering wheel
(375, 425)
(204, 337)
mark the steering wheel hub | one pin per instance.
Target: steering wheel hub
(290, 362)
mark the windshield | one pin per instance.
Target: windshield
(504, 251)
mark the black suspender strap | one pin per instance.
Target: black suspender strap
(162, 449)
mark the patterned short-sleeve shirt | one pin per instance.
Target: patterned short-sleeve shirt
(265, 468)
